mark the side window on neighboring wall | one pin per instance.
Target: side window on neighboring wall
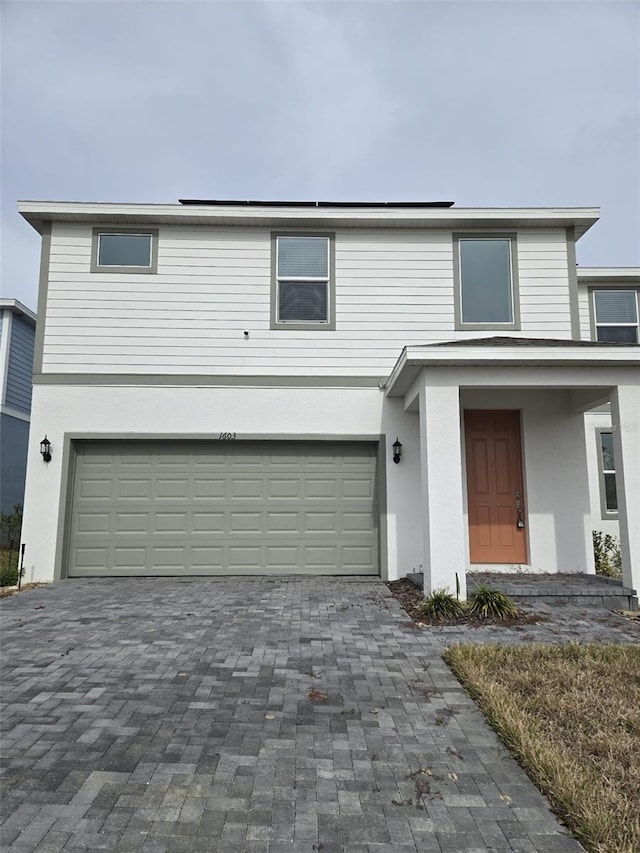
(607, 467)
(615, 314)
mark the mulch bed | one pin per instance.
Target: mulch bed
(6, 591)
(409, 597)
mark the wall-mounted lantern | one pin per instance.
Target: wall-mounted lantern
(45, 449)
(397, 450)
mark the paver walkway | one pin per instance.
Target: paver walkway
(248, 715)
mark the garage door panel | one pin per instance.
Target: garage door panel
(314, 521)
(208, 488)
(171, 522)
(95, 489)
(317, 488)
(283, 489)
(279, 522)
(162, 508)
(126, 488)
(129, 558)
(244, 556)
(131, 522)
(208, 522)
(245, 488)
(94, 522)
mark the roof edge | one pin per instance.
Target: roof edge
(18, 308)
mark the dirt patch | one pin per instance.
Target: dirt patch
(409, 597)
(6, 591)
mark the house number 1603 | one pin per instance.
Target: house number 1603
(227, 436)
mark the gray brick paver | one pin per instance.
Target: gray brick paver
(129, 724)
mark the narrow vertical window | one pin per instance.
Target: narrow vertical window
(608, 472)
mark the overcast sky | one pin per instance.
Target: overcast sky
(482, 103)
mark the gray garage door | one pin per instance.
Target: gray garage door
(219, 508)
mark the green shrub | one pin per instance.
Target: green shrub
(607, 555)
(487, 603)
(10, 529)
(441, 605)
(8, 568)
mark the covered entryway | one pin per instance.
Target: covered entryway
(223, 508)
(494, 487)
(551, 383)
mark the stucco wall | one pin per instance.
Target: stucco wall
(204, 411)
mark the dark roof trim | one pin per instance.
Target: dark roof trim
(525, 342)
(356, 204)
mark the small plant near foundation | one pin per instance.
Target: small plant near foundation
(10, 526)
(487, 603)
(441, 605)
(607, 555)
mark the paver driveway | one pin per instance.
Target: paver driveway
(190, 715)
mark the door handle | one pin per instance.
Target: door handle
(520, 519)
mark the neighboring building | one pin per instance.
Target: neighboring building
(17, 331)
(609, 312)
(223, 384)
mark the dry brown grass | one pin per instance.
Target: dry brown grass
(571, 715)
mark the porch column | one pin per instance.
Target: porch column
(444, 548)
(625, 419)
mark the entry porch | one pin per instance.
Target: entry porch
(503, 457)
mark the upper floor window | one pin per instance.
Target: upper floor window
(303, 292)
(124, 250)
(486, 282)
(616, 316)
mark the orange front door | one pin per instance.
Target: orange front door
(494, 487)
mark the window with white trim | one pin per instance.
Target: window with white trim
(302, 287)
(607, 466)
(615, 314)
(124, 250)
(486, 281)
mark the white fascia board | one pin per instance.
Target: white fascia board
(413, 359)
(628, 275)
(37, 212)
(16, 307)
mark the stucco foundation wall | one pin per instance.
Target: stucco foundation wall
(557, 503)
(63, 412)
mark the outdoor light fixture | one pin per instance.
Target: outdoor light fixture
(397, 451)
(45, 449)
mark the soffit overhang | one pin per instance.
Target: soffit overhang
(37, 213)
(498, 352)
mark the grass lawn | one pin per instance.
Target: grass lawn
(571, 716)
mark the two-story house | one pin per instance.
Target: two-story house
(17, 332)
(324, 388)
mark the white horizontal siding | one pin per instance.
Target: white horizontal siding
(585, 312)
(392, 289)
(543, 283)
